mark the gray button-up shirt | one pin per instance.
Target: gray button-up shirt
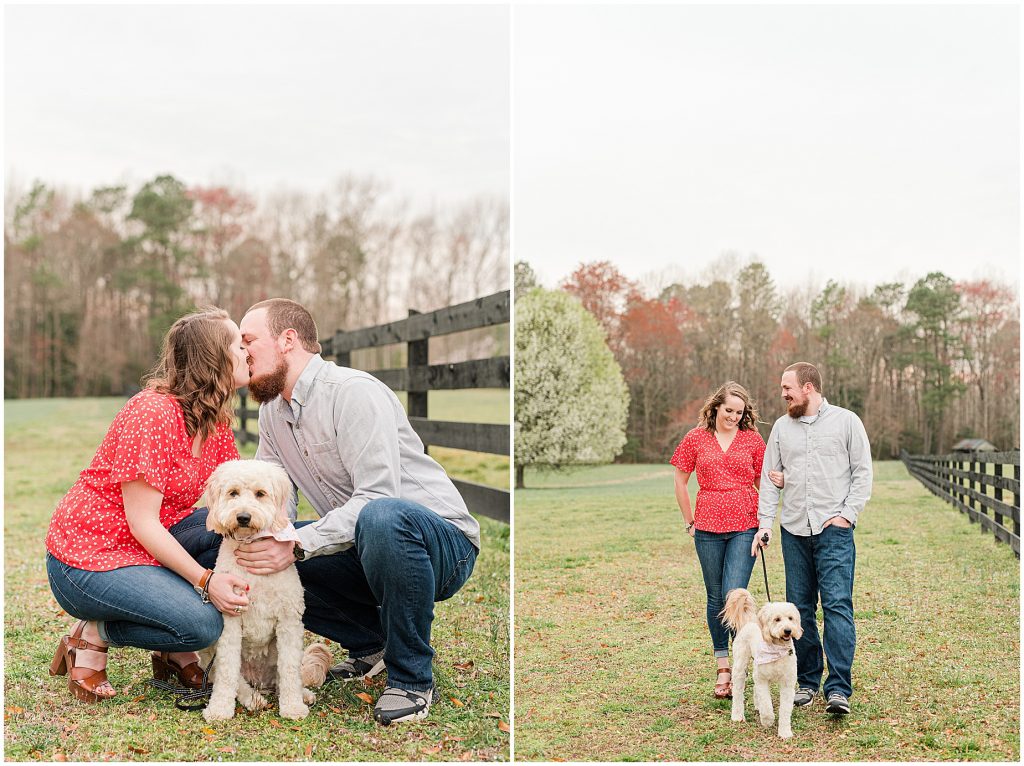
(827, 465)
(345, 440)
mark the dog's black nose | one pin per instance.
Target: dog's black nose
(244, 519)
(786, 633)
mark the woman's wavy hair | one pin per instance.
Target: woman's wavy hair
(708, 413)
(196, 368)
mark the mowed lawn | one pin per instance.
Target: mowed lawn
(613, 659)
(47, 443)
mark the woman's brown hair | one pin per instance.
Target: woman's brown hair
(708, 413)
(196, 368)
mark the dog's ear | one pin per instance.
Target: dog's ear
(214, 493)
(281, 486)
(763, 620)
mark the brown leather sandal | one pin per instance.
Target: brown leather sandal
(190, 676)
(723, 689)
(83, 682)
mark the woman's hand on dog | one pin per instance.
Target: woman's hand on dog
(229, 593)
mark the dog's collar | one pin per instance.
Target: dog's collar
(765, 652)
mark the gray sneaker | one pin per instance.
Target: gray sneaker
(803, 696)
(396, 705)
(837, 704)
(358, 668)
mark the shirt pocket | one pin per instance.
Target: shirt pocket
(830, 453)
(327, 466)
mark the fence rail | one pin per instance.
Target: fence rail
(965, 479)
(418, 378)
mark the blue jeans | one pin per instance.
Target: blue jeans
(379, 593)
(145, 606)
(823, 564)
(726, 563)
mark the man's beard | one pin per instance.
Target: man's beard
(266, 387)
(795, 410)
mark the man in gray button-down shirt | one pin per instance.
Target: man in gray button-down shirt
(823, 453)
(393, 536)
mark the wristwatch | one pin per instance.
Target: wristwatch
(300, 555)
(203, 586)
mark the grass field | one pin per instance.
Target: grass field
(47, 442)
(613, 660)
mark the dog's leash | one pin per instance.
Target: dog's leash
(185, 695)
(764, 539)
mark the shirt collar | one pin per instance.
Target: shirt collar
(300, 392)
(811, 418)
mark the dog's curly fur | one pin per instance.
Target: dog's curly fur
(776, 626)
(262, 648)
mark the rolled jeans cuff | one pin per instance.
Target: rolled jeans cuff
(410, 687)
(101, 628)
(719, 653)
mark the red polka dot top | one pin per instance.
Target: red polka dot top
(89, 529)
(727, 498)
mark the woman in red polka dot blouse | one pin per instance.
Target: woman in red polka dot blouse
(725, 450)
(111, 558)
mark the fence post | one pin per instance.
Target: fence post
(418, 356)
(243, 415)
(1016, 498)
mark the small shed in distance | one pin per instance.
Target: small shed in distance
(974, 445)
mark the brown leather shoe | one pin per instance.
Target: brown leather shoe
(190, 676)
(83, 682)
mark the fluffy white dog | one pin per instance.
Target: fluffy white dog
(767, 637)
(261, 648)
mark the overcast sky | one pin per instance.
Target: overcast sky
(857, 143)
(260, 97)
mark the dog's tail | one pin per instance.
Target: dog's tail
(739, 609)
(316, 661)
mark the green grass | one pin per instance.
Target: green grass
(613, 661)
(47, 442)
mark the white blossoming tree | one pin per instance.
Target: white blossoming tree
(570, 399)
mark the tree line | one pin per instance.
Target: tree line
(91, 283)
(923, 364)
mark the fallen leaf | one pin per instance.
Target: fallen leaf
(139, 698)
(503, 726)
(15, 710)
(152, 717)
(457, 702)
(209, 731)
(225, 749)
(309, 749)
(335, 710)
(479, 599)
(464, 665)
(430, 750)
(59, 757)
(139, 750)
(365, 697)
(275, 722)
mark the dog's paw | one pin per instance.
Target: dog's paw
(293, 711)
(739, 717)
(786, 733)
(308, 697)
(218, 713)
(256, 702)
(767, 720)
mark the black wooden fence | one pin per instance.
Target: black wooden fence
(419, 377)
(977, 483)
